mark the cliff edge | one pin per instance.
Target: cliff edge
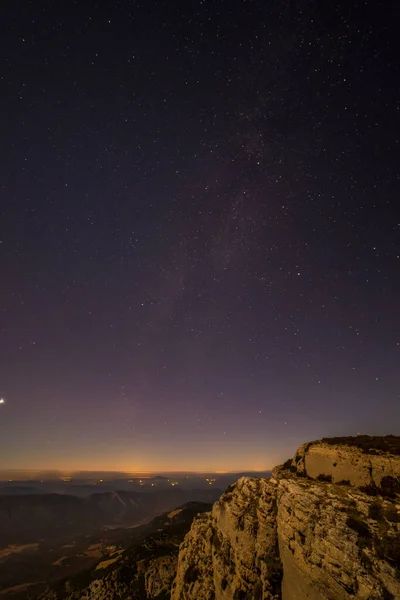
(326, 526)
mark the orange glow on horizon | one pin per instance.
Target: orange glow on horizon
(67, 474)
(219, 464)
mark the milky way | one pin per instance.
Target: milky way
(199, 231)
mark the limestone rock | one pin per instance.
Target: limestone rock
(305, 534)
(331, 542)
(352, 460)
(159, 575)
(232, 552)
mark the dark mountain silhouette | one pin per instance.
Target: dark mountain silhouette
(33, 517)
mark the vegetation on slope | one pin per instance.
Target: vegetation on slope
(368, 443)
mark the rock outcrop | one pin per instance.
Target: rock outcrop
(326, 526)
(335, 542)
(360, 461)
(233, 551)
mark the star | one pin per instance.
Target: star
(200, 224)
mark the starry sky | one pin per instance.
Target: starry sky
(200, 231)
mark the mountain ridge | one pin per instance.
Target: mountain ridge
(324, 526)
(145, 570)
(29, 517)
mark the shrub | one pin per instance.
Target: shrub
(368, 443)
(370, 490)
(388, 549)
(362, 529)
(392, 515)
(324, 477)
(375, 510)
(390, 486)
(287, 464)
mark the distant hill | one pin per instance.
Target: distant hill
(145, 570)
(32, 517)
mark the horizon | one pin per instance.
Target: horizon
(36, 472)
(281, 457)
(200, 248)
(15, 476)
(143, 474)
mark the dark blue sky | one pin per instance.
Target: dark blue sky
(200, 231)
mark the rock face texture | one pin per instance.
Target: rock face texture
(159, 574)
(302, 535)
(358, 465)
(232, 552)
(152, 579)
(331, 543)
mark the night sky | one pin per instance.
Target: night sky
(200, 231)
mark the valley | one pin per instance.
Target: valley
(62, 528)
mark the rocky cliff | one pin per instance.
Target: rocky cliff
(361, 461)
(326, 526)
(232, 552)
(143, 571)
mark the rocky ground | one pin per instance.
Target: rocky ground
(326, 526)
